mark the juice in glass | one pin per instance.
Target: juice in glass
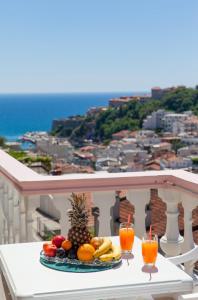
(149, 250)
(126, 234)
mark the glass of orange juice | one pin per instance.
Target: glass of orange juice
(149, 249)
(126, 234)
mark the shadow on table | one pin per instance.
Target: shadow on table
(128, 257)
(150, 270)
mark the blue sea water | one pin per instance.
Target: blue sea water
(35, 112)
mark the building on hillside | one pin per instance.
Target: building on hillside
(170, 121)
(58, 148)
(160, 148)
(103, 164)
(120, 134)
(188, 151)
(154, 120)
(117, 102)
(96, 110)
(157, 93)
(175, 163)
(191, 124)
(152, 165)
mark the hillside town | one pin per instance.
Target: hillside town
(167, 140)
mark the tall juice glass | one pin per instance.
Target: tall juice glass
(126, 234)
(149, 249)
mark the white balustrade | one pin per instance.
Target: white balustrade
(22, 219)
(31, 203)
(10, 214)
(16, 216)
(139, 198)
(172, 240)
(105, 201)
(62, 204)
(189, 202)
(21, 190)
(2, 216)
(5, 209)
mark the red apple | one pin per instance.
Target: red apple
(49, 249)
(45, 245)
(57, 240)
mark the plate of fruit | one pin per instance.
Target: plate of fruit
(79, 251)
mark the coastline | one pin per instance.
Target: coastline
(21, 113)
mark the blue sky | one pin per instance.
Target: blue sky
(106, 45)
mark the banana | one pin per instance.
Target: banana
(114, 253)
(104, 248)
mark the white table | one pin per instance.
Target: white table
(28, 279)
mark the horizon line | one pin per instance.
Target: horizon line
(72, 92)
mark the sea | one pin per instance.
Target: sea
(21, 113)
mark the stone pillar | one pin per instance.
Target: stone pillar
(62, 204)
(10, 215)
(16, 216)
(105, 201)
(2, 217)
(31, 203)
(22, 219)
(172, 241)
(139, 198)
(189, 202)
(6, 212)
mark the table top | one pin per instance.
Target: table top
(27, 278)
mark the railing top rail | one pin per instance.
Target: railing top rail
(29, 182)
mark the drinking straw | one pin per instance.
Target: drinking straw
(150, 233)
(129, 219)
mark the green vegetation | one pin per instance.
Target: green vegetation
(2, 141)
(177, 145)
(25, 158)
(131, 115)
(195, 160)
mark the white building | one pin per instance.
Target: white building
(55, 147)
(154, 120)
(171, 119)
(176, 163)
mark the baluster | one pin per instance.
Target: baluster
(22, 219)
(139, 198)
(172, 241)
(31, 203)
(10, 214)
(16, 216)
(2, 217)
(62, 204)
(105, 201)
(189, 202)
(5, 210)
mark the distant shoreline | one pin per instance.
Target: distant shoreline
(20, 113)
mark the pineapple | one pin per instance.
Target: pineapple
(78, 234)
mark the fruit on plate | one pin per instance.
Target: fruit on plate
(57, 240)
(61, 253)
(85, 252)
(45, 245)
(72, 254)
(113, 253)
(78, 234)
(104, 247)
(66, 245)
(49, 249)
(96, 242)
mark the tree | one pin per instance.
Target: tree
(2, 141)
